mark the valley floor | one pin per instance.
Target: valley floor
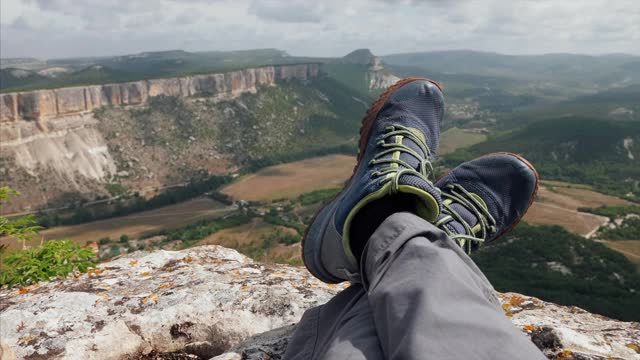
(134, 225)
(282, 185)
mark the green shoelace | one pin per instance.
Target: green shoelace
(398, 167)
(486, 223)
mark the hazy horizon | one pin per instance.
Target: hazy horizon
(48, 29)
(418, 51)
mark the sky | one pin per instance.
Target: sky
(74, 28)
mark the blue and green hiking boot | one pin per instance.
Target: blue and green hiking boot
(483, 199)
(398, 141)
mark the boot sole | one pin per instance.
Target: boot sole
(365, 130)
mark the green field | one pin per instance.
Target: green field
(455, 138)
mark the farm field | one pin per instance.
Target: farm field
(455, 138)
(558, 203)
(292, 179)
(250, 238)
(134, 225)
(628, 248)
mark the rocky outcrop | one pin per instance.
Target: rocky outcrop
(376, 77)
(380, 79)
(212, 301)
(48, 104)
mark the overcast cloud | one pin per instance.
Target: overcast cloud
(69, 28)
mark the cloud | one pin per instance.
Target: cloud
(296, 11)
(63, 28)
(21, 23)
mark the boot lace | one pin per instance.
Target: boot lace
(457, 194)
(396, 167)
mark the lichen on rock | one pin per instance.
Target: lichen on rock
(212, 302)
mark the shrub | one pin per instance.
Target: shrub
(28, 266)
(20, 229)
(53, 258)
(124, 238)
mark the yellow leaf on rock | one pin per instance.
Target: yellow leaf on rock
(25, 339)
(146, 273)
(516, 300)
(245, 288)
(93, 272)
(164, 286)
(188, 259)
(24, 291)
(634, 347)
(528, 327)
(565, 355)
(151, 297)
(133, 262)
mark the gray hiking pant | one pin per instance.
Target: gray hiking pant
(421, 297)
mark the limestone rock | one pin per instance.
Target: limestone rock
(8, 107)
(212, 302)
(562, 333)
(206, 299)
(37, 104)
(70, 100)
(45, 104)
(380, 79)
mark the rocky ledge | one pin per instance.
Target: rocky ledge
(212, 302)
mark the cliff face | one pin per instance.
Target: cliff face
(379, 79)
(47, 104)
(212, 301)
(376, 77)
(52, 145)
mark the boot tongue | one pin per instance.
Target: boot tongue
(465, 214)
(427, 200)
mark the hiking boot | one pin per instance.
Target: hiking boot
(398, 140)
(485, 198)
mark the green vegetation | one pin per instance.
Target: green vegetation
(135, 203)
(260, 250)
(293, 121)
(352, 76)
(28, 266)
(624, 225)
(21, 228)
(317, 196)
(558, 266)
(149, 65)
(629, 229)
(613, 212)
(454, 138)
(253, 165)
(577, 150)
(115, 189)
(52, 258)
(200, 230)
(273, 218)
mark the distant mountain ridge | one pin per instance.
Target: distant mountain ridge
(142, 66)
